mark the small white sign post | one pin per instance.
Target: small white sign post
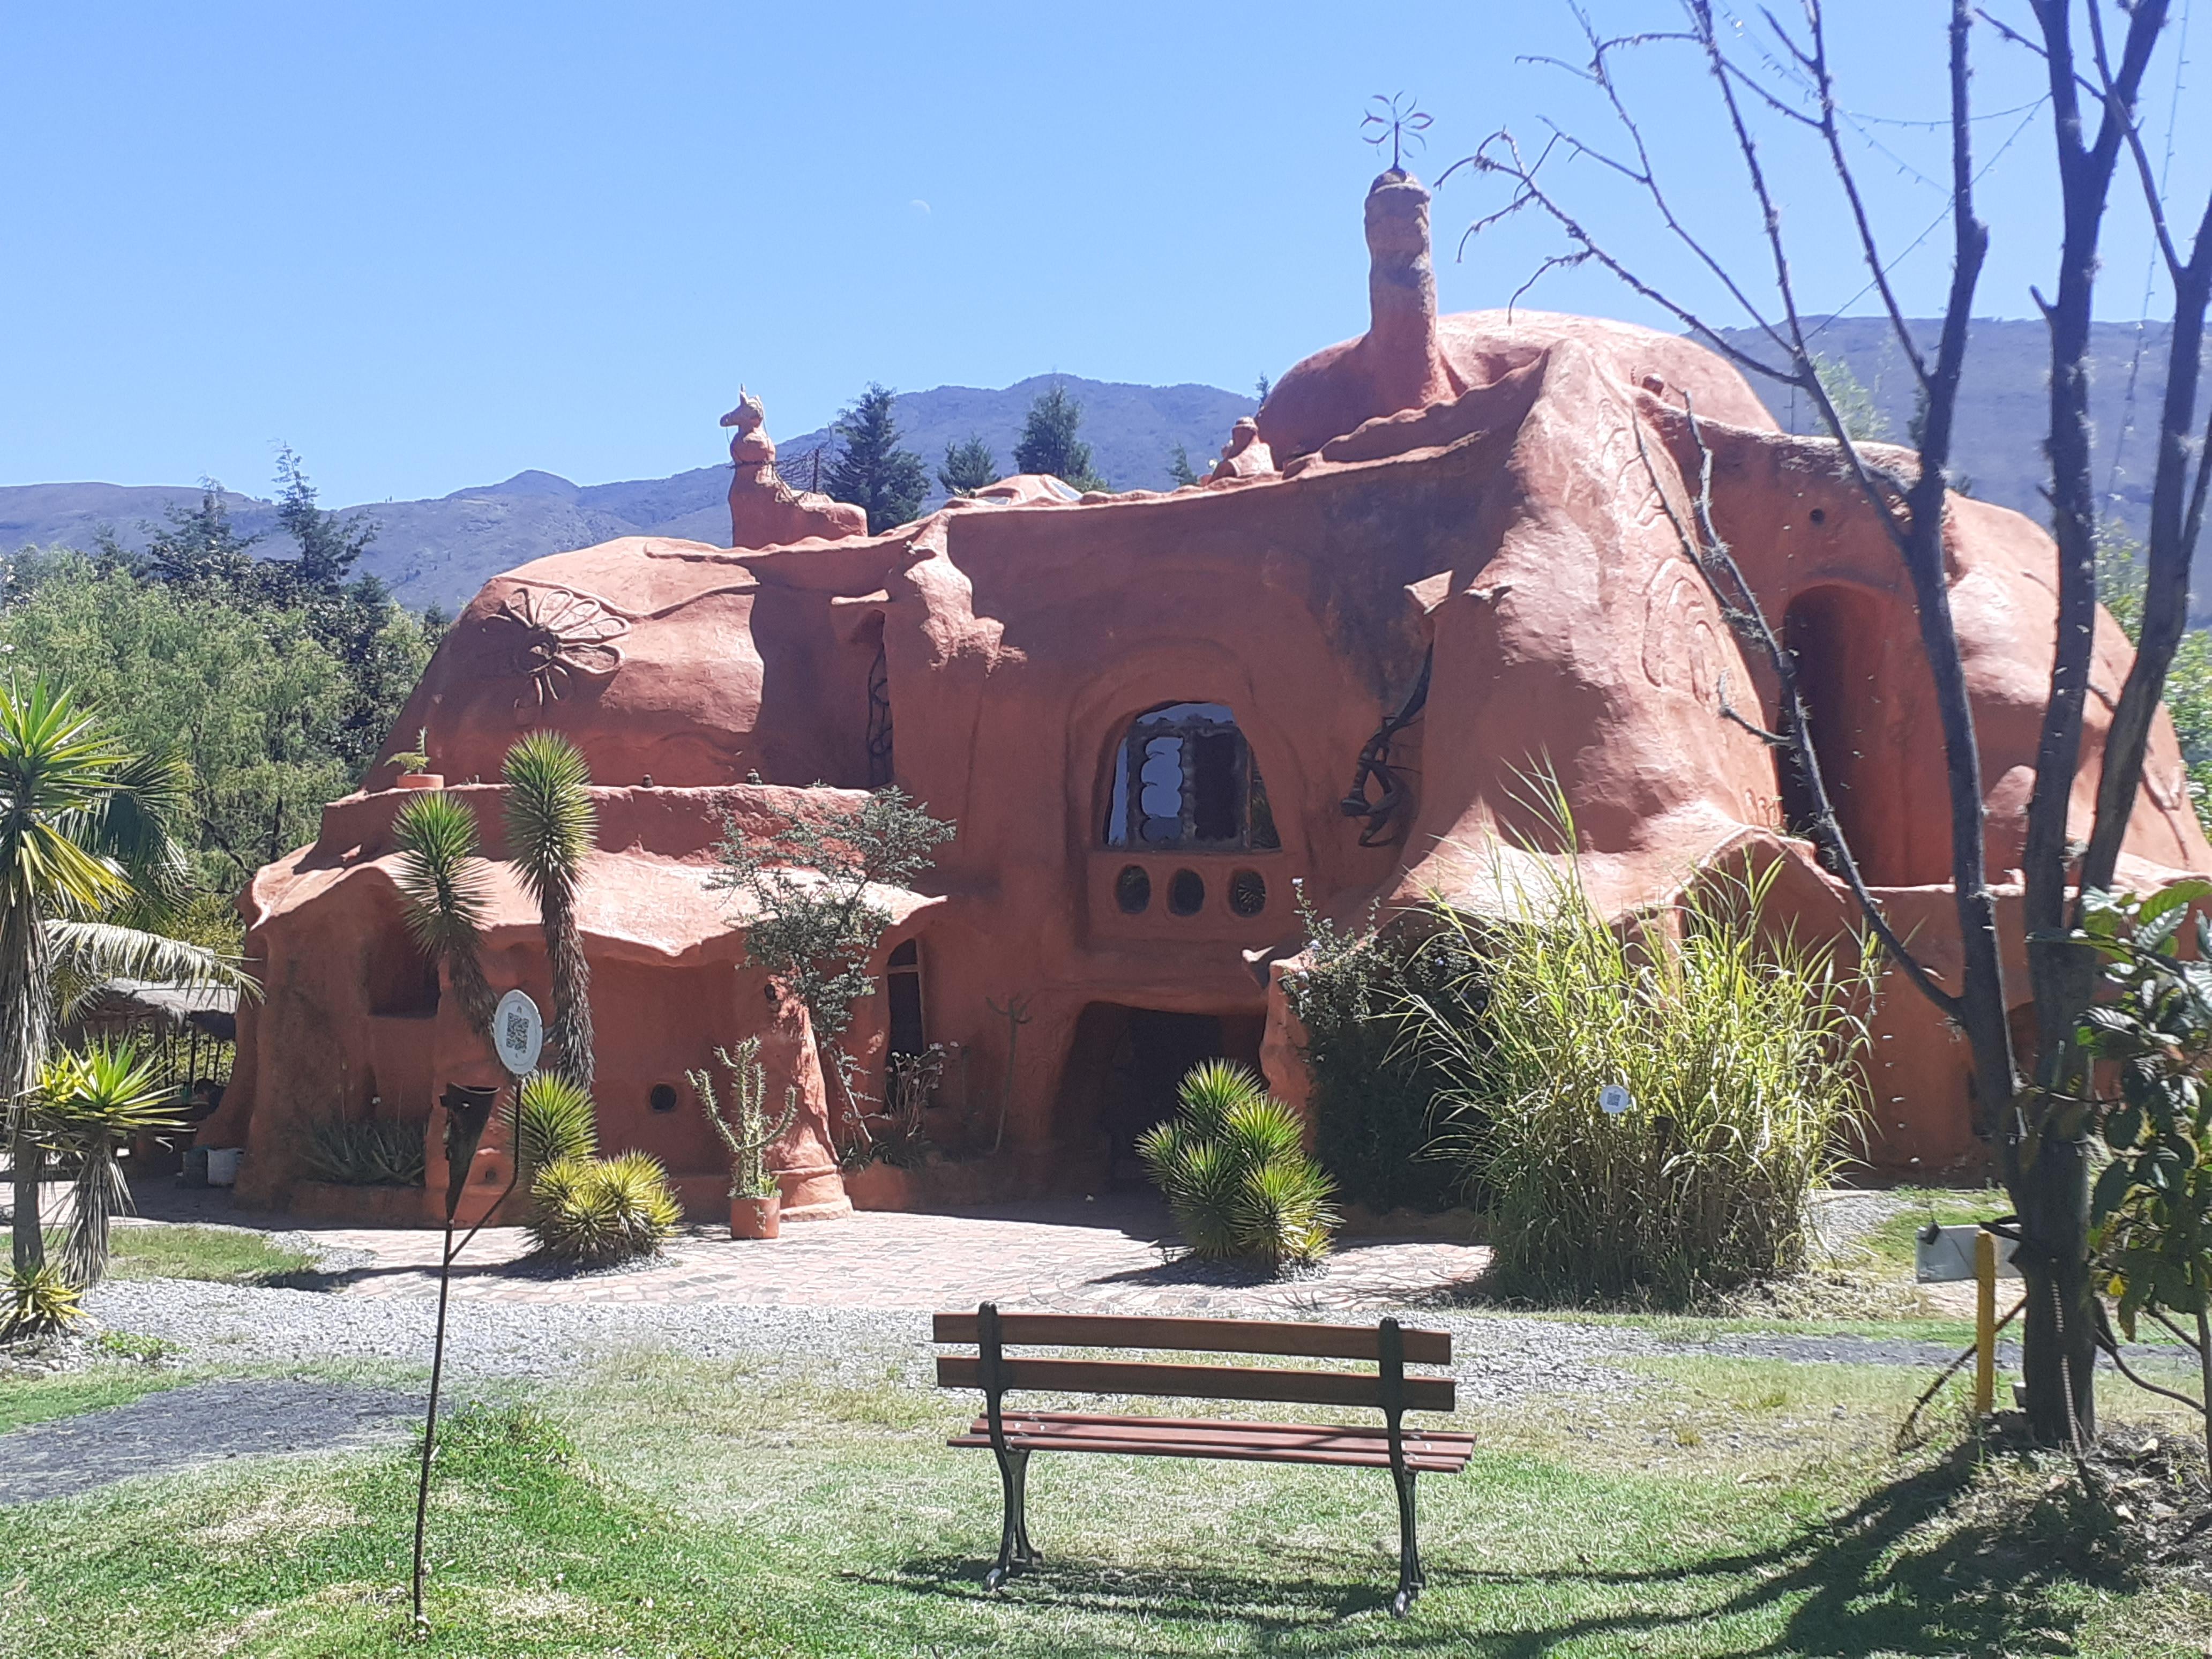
(1614, 1099)
(518, 1032)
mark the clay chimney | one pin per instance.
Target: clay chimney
(1407, 368)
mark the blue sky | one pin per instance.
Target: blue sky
(431, 245)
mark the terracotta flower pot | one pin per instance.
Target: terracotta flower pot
(757, 1217)
(421, 781)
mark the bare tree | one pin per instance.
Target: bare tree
(2037, 1113)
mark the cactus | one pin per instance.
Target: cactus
(750, 1137)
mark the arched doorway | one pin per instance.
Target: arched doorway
(1837, 636)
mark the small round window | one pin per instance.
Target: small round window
(1132, 889)
(1248, 892)
(662, 1097)
(1186, 893)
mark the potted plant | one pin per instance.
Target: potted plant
(414, 765)
(755, 1203)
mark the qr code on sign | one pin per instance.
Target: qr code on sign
(518, 1032)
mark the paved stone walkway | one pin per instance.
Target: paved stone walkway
(1113, 1254)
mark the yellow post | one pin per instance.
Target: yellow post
(1985, 1322)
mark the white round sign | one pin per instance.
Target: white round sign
(1614, 1099)
(517, 1032)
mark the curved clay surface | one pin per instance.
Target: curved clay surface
(1479, 492)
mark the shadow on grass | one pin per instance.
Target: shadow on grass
(1937, 1564)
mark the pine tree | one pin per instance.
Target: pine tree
(329, 545)
(199, 550)
(968, 467)
(1050, 445)
(1179, 467)
(871, 470)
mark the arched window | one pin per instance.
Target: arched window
(1184, 777)
(902, 985)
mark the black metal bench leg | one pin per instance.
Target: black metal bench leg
(1412, 1580)
(1014, 1550)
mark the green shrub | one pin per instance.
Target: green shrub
(1740, 1057)
(365, 1151)
(1378, 1097)
(38, 1302)
(595, 1211)
(555, 1121)
(1234, 1173)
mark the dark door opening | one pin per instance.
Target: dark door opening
(1155, 1049)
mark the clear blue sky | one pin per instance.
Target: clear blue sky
(432, 244)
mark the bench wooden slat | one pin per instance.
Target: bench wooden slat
(1183, 1437)
(1275, 1384)
(1310, 1341)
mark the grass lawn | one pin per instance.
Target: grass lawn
(228, 1255)
(662, 1506)
(37, 1399)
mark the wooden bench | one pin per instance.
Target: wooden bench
(1012, 1434)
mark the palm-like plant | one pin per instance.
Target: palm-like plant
(87, 845)
(1234, 1170)
(552, 827)
(87, 1105)
(446, 887)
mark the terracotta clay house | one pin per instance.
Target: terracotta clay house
(1143, 711)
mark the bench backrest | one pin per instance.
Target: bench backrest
(1387, 1388)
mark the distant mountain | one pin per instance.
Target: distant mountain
(442, 551)
(2004, 403)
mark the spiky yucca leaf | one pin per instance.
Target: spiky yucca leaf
(1211, 1089)
(87, 1103)
(551, 823)
(591, 1212)
(1282, 1210)
(556, 1120)
(1260, 1131)
(446, 889)
(38, 1302)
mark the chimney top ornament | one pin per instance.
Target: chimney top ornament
(1399, 120)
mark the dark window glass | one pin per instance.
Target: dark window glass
(1186, 893)
(1184, 777)
(662, 1097)
(903, 989)
(908, 955)
(1132, 889)
(1248, 892)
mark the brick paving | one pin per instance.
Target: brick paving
(1114, 1255)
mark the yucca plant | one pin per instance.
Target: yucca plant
(1234, 1171)
(1739, 1052)
(552, 827)
(446, 887)
(365, 1152)
(591, 1212)
(38, 1302)
(87, 1103)
(554, 1122)
(87, 845)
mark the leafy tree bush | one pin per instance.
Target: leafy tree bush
(813, 921)
(1234, 1173)
(1050, 445)
(1378, 1093)
(591, 1212)
(968, 467)
(871, 470)
(1740, 1057)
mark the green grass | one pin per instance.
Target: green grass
(674, 1507)
(1891, 1240)
(41, 1399)
(228, 1255)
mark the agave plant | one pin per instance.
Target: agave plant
(38, 1302)
(365, 1152)
(551, 826)
(555, 1123)
(87, 847)
(87, 1103)
(591, 1212)
(446, 887)
(1234, 1171)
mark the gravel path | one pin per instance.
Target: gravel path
(193, 1426)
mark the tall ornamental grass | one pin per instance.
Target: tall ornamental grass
(1741, 1058)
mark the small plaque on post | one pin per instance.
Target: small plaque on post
(517, 1033)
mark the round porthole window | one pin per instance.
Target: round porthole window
(1248, 892)
(662, 1097)
(1132, 889)
(1186, 893)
